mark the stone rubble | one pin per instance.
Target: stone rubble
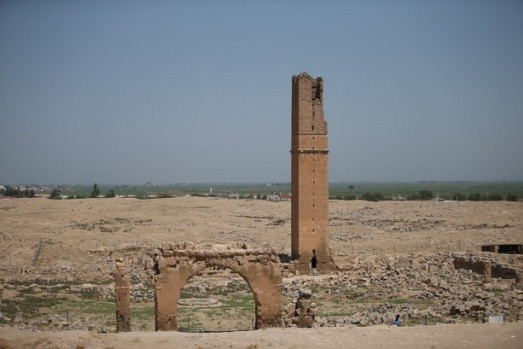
(421, 288)
(302, 313)
(428, 288)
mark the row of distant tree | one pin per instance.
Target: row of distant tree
(17, 192)
(56, 194)
(429, 195)
(27, 192)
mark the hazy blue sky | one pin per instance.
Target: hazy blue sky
(191, 91)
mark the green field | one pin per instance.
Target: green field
(444, 190)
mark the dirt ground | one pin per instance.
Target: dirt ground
(479, 336)
(41, 234)
(74, 231)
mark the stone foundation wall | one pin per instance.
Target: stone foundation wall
(478, 264)
(503, 248)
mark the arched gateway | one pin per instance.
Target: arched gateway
(177, 263)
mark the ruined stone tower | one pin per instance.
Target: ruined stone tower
(309, 186)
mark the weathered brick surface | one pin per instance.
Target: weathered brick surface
(310, 191)
(177, 263)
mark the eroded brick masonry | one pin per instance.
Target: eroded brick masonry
(309, 187)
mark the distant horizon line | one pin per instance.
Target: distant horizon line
(269, 183)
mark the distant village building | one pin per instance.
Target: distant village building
(287, 196)
(398, 198)
(233, 196)
(279, 197)
(273, 197)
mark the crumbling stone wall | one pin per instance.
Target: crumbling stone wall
(480, 265)
(309, 185)
(122, 290)
(177, 263)
(503, 248)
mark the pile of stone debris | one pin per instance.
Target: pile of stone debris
(421, 288)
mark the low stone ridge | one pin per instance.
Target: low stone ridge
(478, 263)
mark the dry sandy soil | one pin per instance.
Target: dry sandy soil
(74, 231)
(77, 233)
(438, 337)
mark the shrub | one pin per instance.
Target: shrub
(412, 197)
(476, 197)
(372, 196)
(110, 194)
(55, 194)
(512, 197)
(422, 195)
(340, 197)
(459, 197)
(495, 197)
(426, 195)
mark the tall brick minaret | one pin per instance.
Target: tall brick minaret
(309, 186)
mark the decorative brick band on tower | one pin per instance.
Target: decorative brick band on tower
(122, 290)
(309, 186)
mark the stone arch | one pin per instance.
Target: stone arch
(202, 267)
(176, 264)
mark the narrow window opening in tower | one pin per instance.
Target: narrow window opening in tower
(312, 205)
(312, 127)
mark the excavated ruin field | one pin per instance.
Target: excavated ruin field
(394, 257)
